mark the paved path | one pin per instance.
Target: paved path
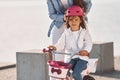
(10, 73)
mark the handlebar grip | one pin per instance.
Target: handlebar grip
(45, 50)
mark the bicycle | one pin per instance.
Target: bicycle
(59, 69)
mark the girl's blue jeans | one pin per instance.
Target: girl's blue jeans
(78, 65)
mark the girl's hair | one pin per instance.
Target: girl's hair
(82, 24)
(80, 3)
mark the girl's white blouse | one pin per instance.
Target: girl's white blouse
(74, 41)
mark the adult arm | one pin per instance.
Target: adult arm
(53, 14)
(88, 6)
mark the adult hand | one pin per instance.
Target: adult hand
(83, 53)
(65, 18)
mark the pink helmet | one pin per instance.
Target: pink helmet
(74, 11)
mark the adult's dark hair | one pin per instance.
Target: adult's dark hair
(80, 3)
(82, 24)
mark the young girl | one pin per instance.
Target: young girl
(75, 39)
(56, 9)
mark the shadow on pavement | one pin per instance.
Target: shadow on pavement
(8, 66)
(112, 74)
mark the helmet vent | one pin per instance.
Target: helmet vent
(77, 11)
(68, 11)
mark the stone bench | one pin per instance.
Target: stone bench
(103, 51)
(32, 64)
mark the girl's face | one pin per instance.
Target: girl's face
(74, 22)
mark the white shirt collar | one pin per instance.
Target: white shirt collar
(74, 32)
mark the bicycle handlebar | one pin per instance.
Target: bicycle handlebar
(55, 52)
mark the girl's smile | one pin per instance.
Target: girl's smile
(74, 22)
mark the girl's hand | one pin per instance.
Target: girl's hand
(52, 47)
(83, 53)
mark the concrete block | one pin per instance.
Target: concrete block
(103, 51)
(32, 65)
